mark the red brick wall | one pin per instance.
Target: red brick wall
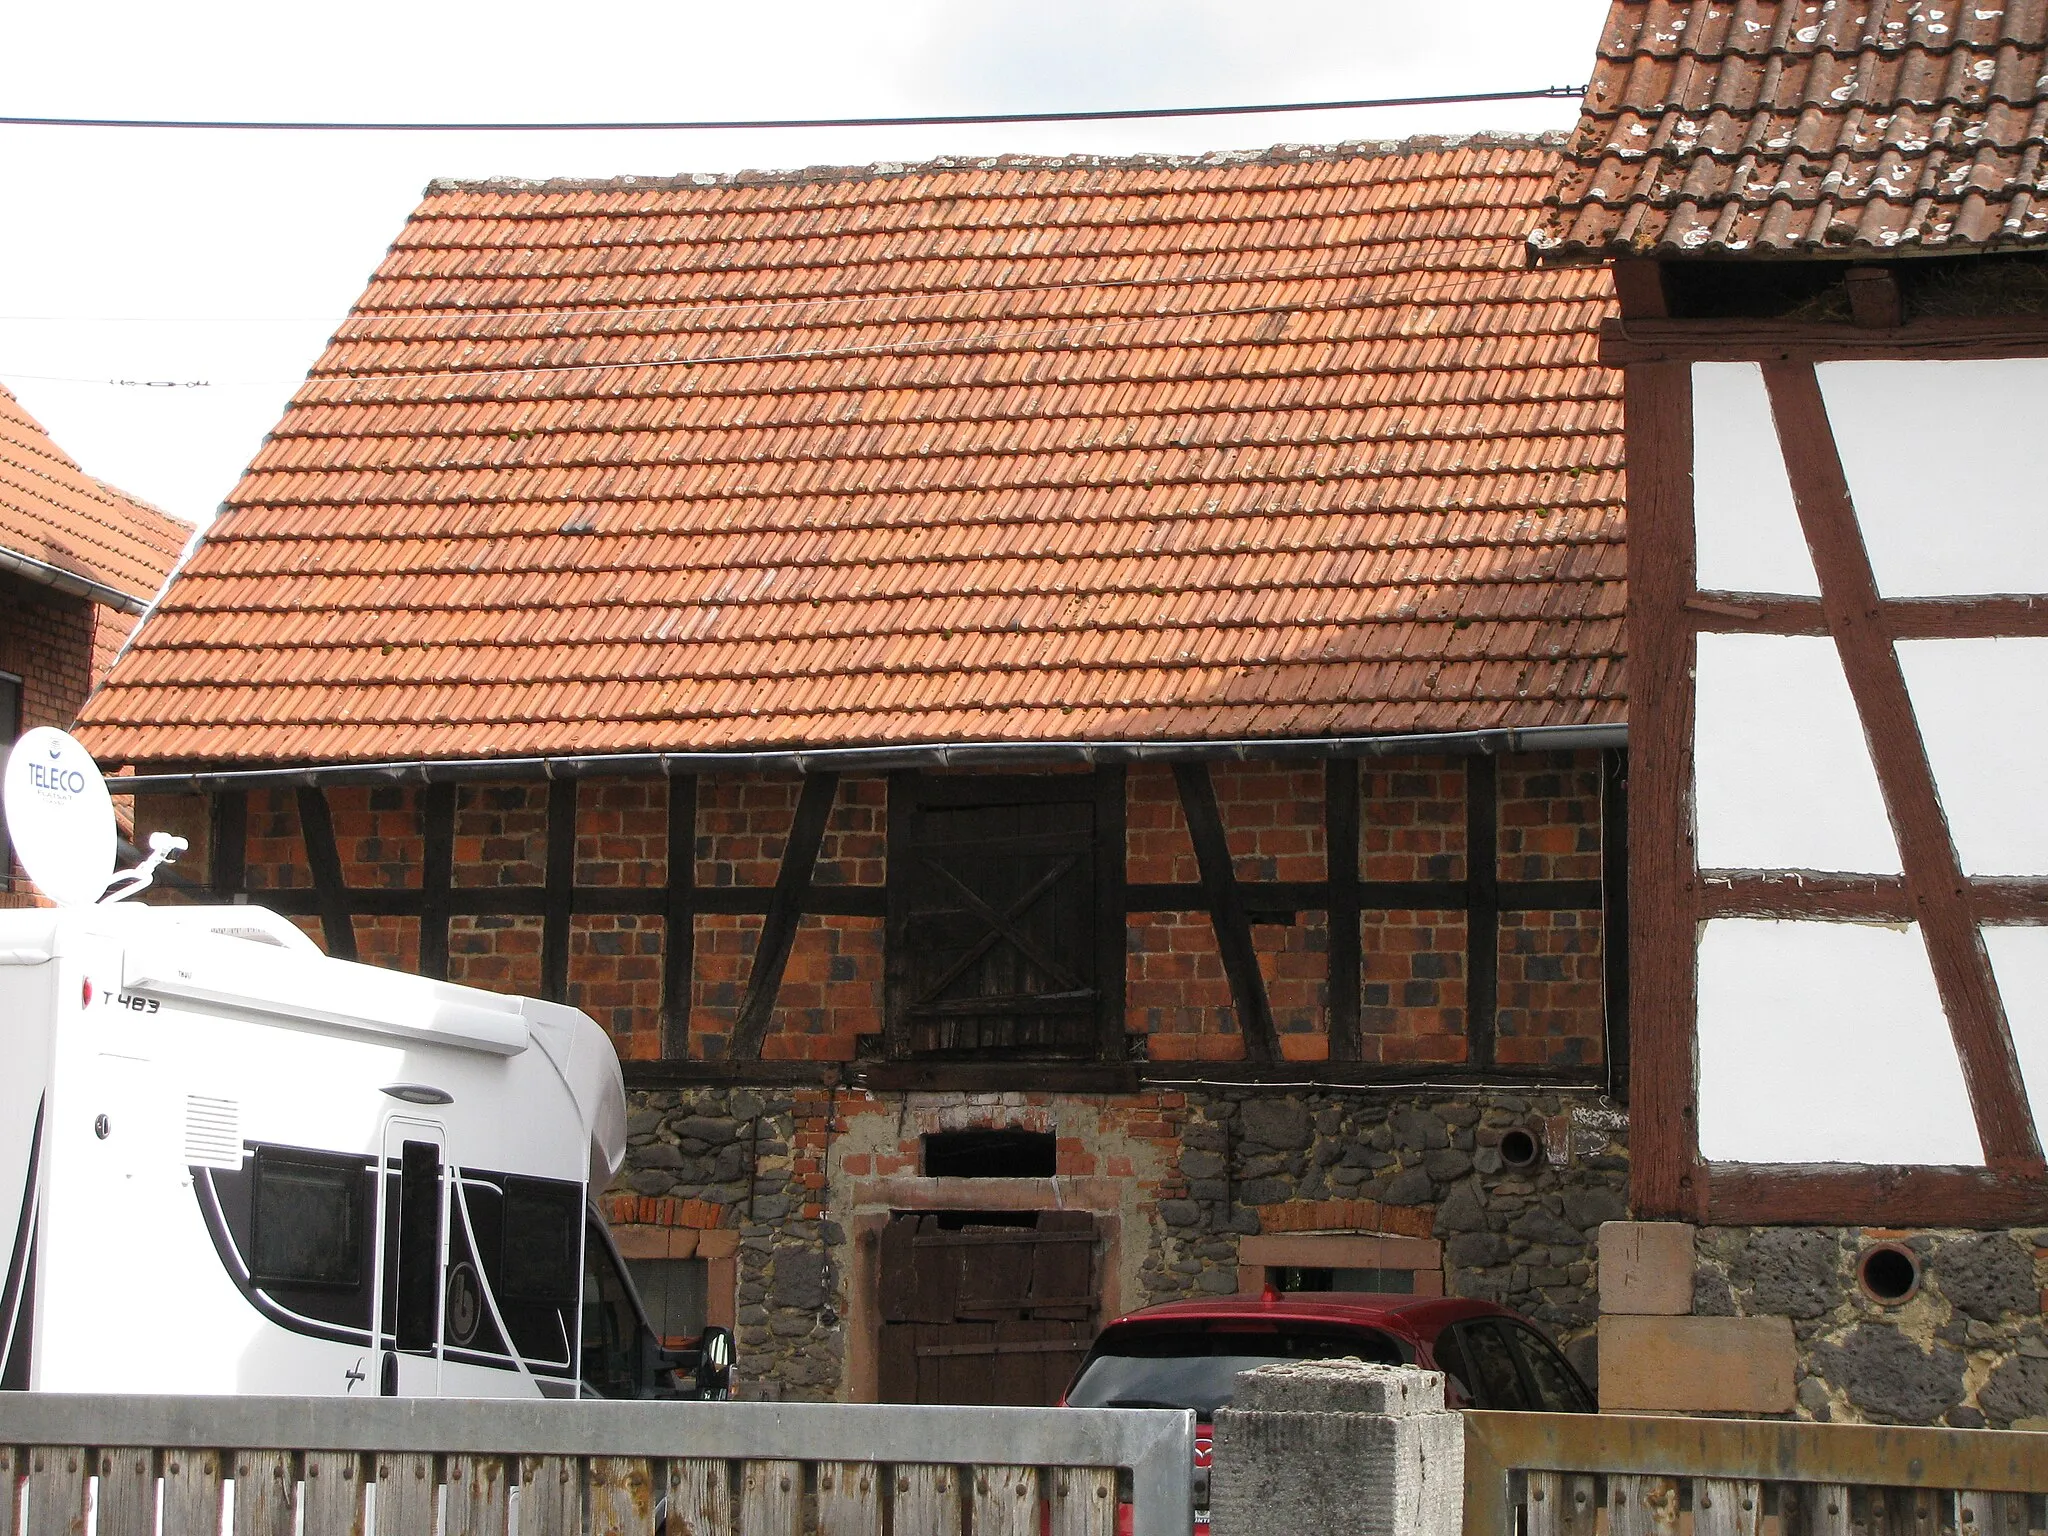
(46, 641)
(1412, 980)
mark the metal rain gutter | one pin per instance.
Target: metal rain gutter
(1534, 738)
(45, 574)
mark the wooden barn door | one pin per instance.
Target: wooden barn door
(985, 1314)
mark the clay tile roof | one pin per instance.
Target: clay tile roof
(67, 524)
(1273, 445)
(1785, 127)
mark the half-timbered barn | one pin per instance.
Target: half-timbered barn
(1067, 715)
(1829, 232)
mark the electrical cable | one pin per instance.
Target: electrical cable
(931, 120)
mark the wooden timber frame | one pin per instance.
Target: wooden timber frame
(1669, 895)
(1232, 905)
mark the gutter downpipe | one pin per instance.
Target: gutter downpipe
(46, 575)
(1535, 738)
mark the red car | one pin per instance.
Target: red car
(1186, 1354)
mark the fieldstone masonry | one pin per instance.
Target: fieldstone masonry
(1194, 1172)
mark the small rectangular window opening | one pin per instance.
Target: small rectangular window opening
(1005, 1154)
(307, 1226)
(419, 1245)
(1304, 1277)
(543, 1229)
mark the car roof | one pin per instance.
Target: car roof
(1423, 1315)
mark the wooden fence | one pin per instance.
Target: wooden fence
(140, 1466)
(1553, 1474)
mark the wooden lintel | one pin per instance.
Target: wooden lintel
(437, 875)
(1877, 685)
(1227, 913)
(1903, 618)
(1846, 1195)
(1625, 342)
(323, 863)
(785, 911)
(2015, 900)
(560, 888)
(996, 1076)
(679, 914)
(654, 1076)
(1340, 839)
(1482, 908)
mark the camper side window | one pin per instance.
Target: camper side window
(541, 1251)
(307, 1226)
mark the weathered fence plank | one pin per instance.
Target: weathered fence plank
(850, 1498)
(550, 1496)
(1991, 1514)
(13, 1468)
(406, 1494)
(334, 1493)
(56, 1491)
(699, 1498)
(927, 1501)
(478, 1502)
(1005, 1501)
(1640, 1505)
(265, 1493)
(1562, 1505)
(193, 1486)
(1723, 1506)
(772, 1499)
(621, 1496)
(1083, 1501)
(127, 1499)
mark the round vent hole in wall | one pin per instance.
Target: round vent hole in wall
(1520, 1148)
(1889, 1273)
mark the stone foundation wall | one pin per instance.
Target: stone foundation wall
(1179, 1178)
(1968, 1347)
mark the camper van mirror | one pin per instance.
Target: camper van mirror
(60, 817)
(714, 1363)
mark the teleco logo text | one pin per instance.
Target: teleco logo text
(65, 781)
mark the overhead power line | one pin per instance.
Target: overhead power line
(934, 120)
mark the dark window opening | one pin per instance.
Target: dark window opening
(973, 1221)
(419, 1246)
(542, 1225)
(1303, 1277)
(611, 1324)
(991, 1155)
(307, 1222)
(676, 1294)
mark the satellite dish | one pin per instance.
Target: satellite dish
(60, 817)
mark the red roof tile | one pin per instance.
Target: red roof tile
(1247, 445)
(53, 513)
(1794, 126)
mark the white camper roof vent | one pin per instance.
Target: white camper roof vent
(213, 1132)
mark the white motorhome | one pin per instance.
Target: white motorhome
(229, 1164)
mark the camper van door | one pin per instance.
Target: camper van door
(412, 1230)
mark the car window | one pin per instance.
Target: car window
(1450, 1359)
(1498, 1384)
(611, 1324)
(1197, 1368)
(1557, 1389)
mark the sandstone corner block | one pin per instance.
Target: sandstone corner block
(1646, 1268)
(1696, 1364)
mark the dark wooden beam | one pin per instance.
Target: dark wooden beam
(1614, 916)
(1639, 286)
(997, 1076)
(1903, 618)
(1663, 1138)
(1625, 343)
(561, 878)
(437, 875)
(785, 911)
(1112, 931)
(655, 1076)
(679, 914)
(323, 863)
(229, 872)
(642, 901)
(1875, 303)
(1340, 842)
(1848, 1195)
(1934, 877)
(1482, 908)
(1227, 913)
(901, 830)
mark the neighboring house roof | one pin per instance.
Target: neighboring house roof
(1253, 445)
(1790, 127)
(67, 529)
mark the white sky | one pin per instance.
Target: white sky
(229, 257)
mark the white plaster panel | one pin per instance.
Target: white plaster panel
(1826, 1043)
(1783, 778)
(1945, 462)
(1979, 704)
(2019, 959)
(1746, 527)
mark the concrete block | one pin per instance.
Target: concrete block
(1696, 1364)
(1646, 1268)
(1338, 1448)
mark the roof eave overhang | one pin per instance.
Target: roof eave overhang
(44, 574)
(876, 759)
